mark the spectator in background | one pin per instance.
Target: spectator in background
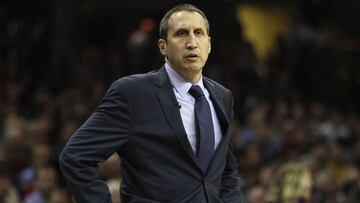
(114, 185)
(110, 171)
(59, 195)
(45, 183)
(256, 194)
(40, 156)
(293, 184)
(8, 192)
(140, 45)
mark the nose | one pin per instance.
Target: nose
(191, 42)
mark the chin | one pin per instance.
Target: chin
(195, 67)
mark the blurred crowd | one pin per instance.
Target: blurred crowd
(296, 129)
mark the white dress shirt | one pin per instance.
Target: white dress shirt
(187, 102)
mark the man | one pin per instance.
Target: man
(170, 127)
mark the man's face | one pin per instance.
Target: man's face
(188, 43)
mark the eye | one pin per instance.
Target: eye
(181, 33)
(198, 32)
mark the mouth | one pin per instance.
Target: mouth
(192, 56)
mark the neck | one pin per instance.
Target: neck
(191, 77)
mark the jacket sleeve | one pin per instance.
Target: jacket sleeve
(230, 189)
(106, 131)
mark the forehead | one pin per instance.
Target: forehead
(186, 19)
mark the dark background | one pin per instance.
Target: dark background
(296, 129)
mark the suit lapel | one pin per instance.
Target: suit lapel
(169, 104)
(218, 103)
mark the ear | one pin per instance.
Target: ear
(162, 46)
(209, 45)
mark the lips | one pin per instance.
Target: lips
(191, 55)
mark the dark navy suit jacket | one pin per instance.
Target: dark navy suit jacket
(139, 119)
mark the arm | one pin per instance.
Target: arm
(230, 189)
(106, 131)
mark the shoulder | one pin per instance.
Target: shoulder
(134, 81)
(216, 86)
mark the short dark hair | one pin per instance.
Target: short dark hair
(164, 23)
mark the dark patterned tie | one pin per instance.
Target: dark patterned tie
(206, 128)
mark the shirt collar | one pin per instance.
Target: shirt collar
(179, 83)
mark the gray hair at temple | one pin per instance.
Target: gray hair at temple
(164, 23)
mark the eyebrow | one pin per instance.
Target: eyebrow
(187, 29)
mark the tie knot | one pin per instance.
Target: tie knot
(196, 91)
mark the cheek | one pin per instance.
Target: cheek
(174, 52)
(206, 51)
(205, 58)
